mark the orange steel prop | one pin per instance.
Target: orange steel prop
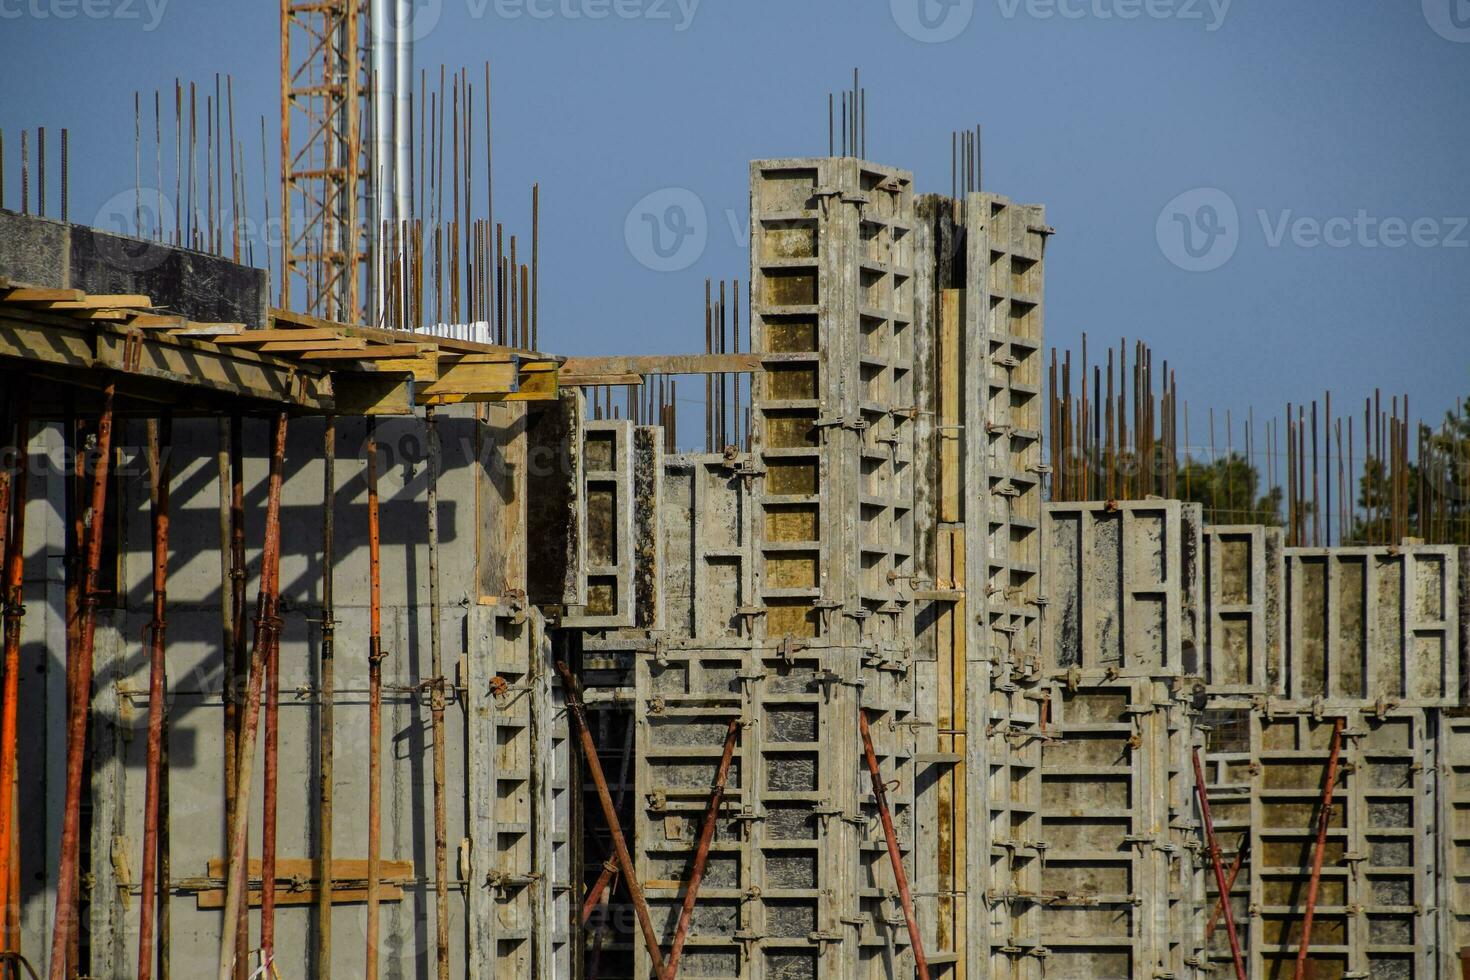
(701, 856)
(1214, 846)
(80, 696)
(1324, 817)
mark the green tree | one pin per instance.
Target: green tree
(1434, 495)
(1227, 488)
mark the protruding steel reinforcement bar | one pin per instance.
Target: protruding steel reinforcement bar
(160, 440)
(267, 629)
(1324, 817)
(1214, 846)
(701, 855)
(921, 964)
(436, 708)
(325, 721)
(375, 704)
(13, 496)
(79, 695)
(620, 845)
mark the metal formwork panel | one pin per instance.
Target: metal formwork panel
(1364, 624)
(607, 510)
(1122, 586)
(1003, 331)
(518, 851)
(1243, 580)
(1376, 913)
(832, 416)
(1096, 881)
(798, 883)
(706, 529)
(1453, 896)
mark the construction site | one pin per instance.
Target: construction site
(353, 629)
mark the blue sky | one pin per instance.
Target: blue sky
(1346, 118)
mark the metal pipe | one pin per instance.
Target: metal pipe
(921, 964)
(165, 864)
(327, 727)
(1214, 847)
(13, 498)
(375, 704)
(1229, 887)
(267, 628)
(1324, 817)
(701, 854)
(402, 96)
(436, 709)
(160, 439)
(573, 692)
(80, 695)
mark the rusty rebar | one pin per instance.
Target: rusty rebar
(921, 964)
(701, 854)
(13, 497)
(160, 441)
(1214, 847)
(326, 723)
(1324, 817)
(375, 705)
(267, 628)
(67, 883)
(573, 693)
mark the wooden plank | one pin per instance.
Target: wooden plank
(208, 331)
(302, 347)
(287, 319)
(304, 869)
(92, 301)
(593, 381)
(28, 294)
(379, 352)
(472, 379)
(589, 367)
(159, 321)
(376, 394)
(254, 337)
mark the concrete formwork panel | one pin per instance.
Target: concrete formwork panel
(1377, 911)
(832, 277)
(706, 528)
(1243, 575)
(1364, 624)
(1091, 877)
(608, 528)
(1122, 586)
